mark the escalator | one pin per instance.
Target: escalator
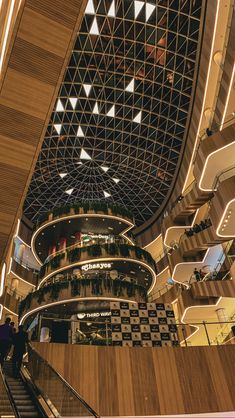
(40, 392)
(23, 396)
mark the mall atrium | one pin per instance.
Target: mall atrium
(117, 207)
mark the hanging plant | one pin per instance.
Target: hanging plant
(75, 287)
(74, 255)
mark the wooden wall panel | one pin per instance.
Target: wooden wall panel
(147, 381)
(39, 49)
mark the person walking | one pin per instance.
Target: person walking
(196, 274)
(20, 343)
(6, 334)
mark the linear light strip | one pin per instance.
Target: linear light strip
(192, 325)
(103, 259)
(4, 44)
(228, 96)
(187, 263)
(222, 220)
(179, 227)
(205, 165)
(205, 94)
(85, 215)
(73, 300)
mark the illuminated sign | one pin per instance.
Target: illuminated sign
(96, 266)
(93, 315)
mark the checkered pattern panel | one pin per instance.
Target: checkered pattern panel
(143, 324)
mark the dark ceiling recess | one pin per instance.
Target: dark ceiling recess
(118, 124)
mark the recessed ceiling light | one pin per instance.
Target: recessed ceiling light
(137, 118)
(73, 101)
(87, 88)
(130, 86)
(70, 191)
(90, 8)
(59, 106)
(110, 227)
(149, 10)
(116, 180)
(62, 175)
(111, 12)
(111, 112)
(138, 6)
(80, 132)
(105, 168)
(96, 109)
(106, 194)
(94, 28)
(58, 127)
(84, 155)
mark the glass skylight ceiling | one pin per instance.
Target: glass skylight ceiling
(118, 123)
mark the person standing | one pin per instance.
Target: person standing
(6, 334)
(20, 342)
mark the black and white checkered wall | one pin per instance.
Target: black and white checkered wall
(143, 324)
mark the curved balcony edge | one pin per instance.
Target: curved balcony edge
(78, 290)
(72, 215)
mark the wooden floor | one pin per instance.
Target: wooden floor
(119, 381)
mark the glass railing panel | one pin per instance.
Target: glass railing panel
(63, 400)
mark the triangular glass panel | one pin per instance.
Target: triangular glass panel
(137, 118)
(94, 28)
(105, 168)
(149, 10)
(84, 155)
(62, 175)
(130, 86)
(111, 112)
(106, 194)
(59, 106)
(80, 132)
(69, 192)
(90, 8)
(138, 6)
(87, 88)
(58, 127)
(111, 12)
(96, 109)
(73, 101)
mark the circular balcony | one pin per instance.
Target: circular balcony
(67, 221)
(124, 258)
(67, 295)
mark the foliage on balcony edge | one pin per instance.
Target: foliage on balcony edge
(74, 255)
(86, 207)
(97, 285)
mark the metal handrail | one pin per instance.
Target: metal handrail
(69, 387)
(79, 245)
(217, 180)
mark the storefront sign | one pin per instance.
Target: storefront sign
(93, 315)
(96, 266)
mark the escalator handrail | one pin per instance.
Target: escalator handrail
(75, 393)
(10, 397)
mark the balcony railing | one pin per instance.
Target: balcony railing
(92, 252)
(82, 288)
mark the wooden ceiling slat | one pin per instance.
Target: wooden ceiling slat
(41, 44)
